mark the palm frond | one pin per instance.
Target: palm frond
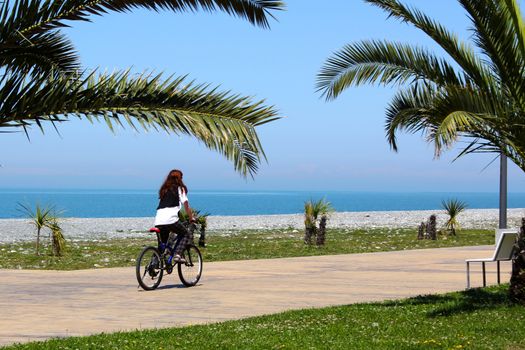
(222, 121)
(453, 207)
(369, 62)
(309, 218)
(463, 53)
(58, 241)
(410, 111)
(40, 216)
(458, 111)
(495, 33)
(315, 208)
(202, 219)
(29, 40)
(450, 113)
(36, 16)
(512, 8)
(323, 207)
(47, 53)
(451, 127)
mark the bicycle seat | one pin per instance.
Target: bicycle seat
(154, 229)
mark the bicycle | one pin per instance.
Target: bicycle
(152, 262)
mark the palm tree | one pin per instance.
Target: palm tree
(201, 219)
(42, 81)
(321, 234)
(314, 213)
(421, 230)
(480, 96)
(58, 242)
(309, 222)
(321, 210)
(453, 208)
(431, 227)
(40, 217)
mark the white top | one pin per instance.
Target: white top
(170, 215)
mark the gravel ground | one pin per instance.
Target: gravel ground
(12, 230)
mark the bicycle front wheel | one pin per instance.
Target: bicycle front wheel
(190, 271)
(149, 269)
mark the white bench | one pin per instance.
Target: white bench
(503, 252)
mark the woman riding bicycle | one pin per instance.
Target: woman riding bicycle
(172, 195)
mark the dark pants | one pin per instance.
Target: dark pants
(183, 236)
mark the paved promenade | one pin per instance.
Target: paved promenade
(37, 305)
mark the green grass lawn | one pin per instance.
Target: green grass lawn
(474, 319)
(235, 245)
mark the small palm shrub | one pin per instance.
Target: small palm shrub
(421, 231)
(453, 208)
(309, 222)
(431, 228)
(58, 242)
(201, 219)
(40, 217)
(315, 212)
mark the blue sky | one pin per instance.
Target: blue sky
(319, 145)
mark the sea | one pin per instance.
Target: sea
(142, 203)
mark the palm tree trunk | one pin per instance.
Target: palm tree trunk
(58, 241)
(202, 238)
(431, 227)
(308, 233)
(421, 231)
(321, 235)
(517, 279)
(38, 241)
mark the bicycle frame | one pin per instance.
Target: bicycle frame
(162, 246)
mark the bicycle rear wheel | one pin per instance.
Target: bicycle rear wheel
(149, 269)
(190, 271)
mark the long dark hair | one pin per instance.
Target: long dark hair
(173, 180)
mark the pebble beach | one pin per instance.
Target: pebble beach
(15, 230)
